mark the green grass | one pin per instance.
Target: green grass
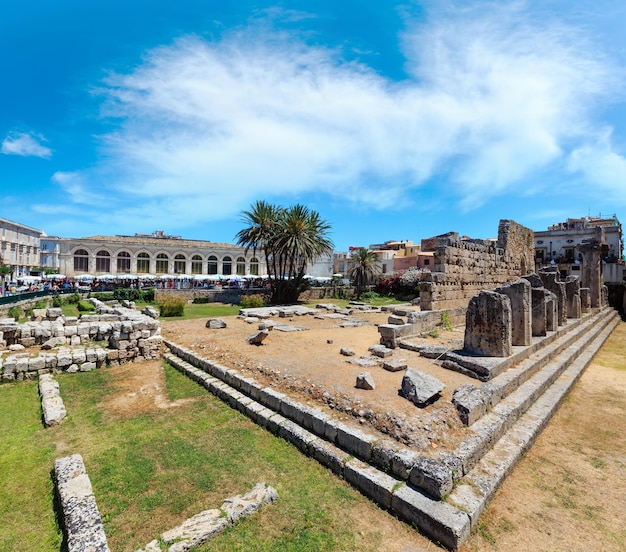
(205, 310)
(152, 471)
(27, 519)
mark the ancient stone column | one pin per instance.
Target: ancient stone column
(585, 299)
(592, 267)
(488, 325)
(572, 294)
(552, 311)
(551, 281)
(539, 327)
(521, 303)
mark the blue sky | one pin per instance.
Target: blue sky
(394, 120)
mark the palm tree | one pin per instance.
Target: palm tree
(364, 269)
(290, 239)
(263, 226)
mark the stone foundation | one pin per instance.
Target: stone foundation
(79, 512)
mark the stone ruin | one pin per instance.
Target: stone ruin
(464, 267)
(114, 335)
(532, 306)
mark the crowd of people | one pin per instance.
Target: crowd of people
(67, 284)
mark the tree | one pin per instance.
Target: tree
(290, 238)
(364, 268)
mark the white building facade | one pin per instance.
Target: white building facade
(155, 254)
(19, 247)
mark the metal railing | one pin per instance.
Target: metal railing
(28, 296)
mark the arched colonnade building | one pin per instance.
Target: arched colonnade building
(155, 254)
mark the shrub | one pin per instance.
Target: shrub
(252, 301)
(41, 304)
(102, 295)
(84, 306)
(171, 306)
(370, 296)
(401, 286)
(445, 321)
(57, 302)
(15, 312)
(201, 300)
(390, 285)
(133, 294)
(73, 299)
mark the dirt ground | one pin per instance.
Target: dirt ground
(309, 365)
(567, 493)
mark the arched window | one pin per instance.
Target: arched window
(212, 265)
(180, 264)
(103, 261)
(123, 263)
(254, 266)
(162, 263)
(241, 266)
(81, 261)
(227, 266)
(143, 263)
(196, 264)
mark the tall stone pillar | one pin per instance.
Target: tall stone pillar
(592, 267)
(521, 303)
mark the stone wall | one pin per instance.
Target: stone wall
(463, 268)
(113, 336)
(79, 513)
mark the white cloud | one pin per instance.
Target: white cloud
(78, 190)
(26, 145)
(492, 98)
(603, 168)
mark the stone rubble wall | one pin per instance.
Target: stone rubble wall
(51, 402)
(71, 341)
(79, 512)
(207, 524)
(463, 268)
(418, 323)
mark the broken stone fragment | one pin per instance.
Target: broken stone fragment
(365, 381)
(258, 337)
(347, 352)
(395, 365)
(215, 323)
(393, 319)
(420, 388)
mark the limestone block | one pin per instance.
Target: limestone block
(37, 363)
(395, 365)
(432, 477)
(22, 365)
(258, 337)
(38, 314)
(216, 323)
(381, 351)
(420, 388)
(519, 293)
(81, 517)
(365, 381)
(539, 326)
(392, 319)
(488, 325)
(54, 313)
